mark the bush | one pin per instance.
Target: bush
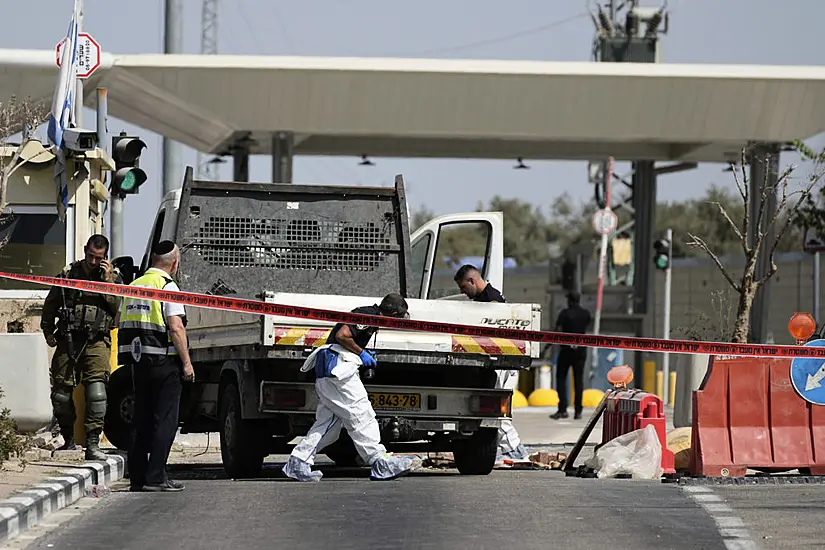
(11, 444)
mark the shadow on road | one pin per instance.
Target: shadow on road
(272, 472)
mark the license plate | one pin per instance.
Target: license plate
(396, 401)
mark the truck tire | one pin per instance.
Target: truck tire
(120, 408)
(476, 455)
(240, 442)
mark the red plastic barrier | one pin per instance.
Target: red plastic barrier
(629, 410)
(747, 415)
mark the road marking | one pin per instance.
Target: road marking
(731, 527)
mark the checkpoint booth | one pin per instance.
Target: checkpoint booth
(39, 243)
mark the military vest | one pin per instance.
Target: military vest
(88, 313)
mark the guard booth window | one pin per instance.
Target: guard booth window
(458, 243)
(35, 244)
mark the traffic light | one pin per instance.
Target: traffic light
(128, 176)
(661, 259)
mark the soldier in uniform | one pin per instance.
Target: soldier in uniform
(78, 324)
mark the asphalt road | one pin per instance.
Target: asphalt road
(427, 510)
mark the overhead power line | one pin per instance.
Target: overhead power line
(506, 37)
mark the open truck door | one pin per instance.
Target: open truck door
(435, 246)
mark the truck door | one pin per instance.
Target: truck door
(439, 247)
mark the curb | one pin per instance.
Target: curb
(28, 507)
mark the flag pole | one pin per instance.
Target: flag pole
(78, 103)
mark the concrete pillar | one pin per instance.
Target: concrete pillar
(172, 177)
(240, 162)
(644, 204)
(282, 143)
(764, 172)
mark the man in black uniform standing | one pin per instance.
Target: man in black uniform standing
(472, 284)
(574, 319)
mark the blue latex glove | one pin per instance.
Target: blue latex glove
(367, 359)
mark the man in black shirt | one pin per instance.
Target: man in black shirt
(574, 319)
(473, 285)
(343, 402)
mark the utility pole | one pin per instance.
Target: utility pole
(172, 43)
(205, 170)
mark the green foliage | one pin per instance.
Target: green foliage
(11, 444)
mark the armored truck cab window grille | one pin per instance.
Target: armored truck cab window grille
(293, 238)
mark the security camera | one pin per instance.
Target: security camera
(80, 140)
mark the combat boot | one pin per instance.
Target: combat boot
(68, 439)
(93, 451)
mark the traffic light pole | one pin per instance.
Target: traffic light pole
(666, 322)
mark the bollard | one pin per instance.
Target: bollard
(660, 378)
(671, 387)
(649, 376)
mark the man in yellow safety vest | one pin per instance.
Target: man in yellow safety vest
(152, 339)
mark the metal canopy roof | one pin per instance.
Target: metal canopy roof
(448, 108)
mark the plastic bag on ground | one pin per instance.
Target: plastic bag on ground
(637, 453)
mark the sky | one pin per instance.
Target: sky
(701, 31)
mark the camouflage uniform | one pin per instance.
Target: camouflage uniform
(89, 318)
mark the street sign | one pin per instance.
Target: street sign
(88, 54)
(808, 376)
(605, 221)
(812, 242)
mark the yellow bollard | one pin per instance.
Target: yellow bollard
(671, 389)
(649, 377)
(660, 384)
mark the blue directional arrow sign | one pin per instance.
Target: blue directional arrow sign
(808, 376)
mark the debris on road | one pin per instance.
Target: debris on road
(547, 460)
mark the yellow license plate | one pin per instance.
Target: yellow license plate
(396, 401)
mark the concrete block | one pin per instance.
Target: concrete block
(24, 377)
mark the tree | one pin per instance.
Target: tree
(778, 223)
(15, 117)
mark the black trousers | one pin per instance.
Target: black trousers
(157, 402)
(571, 358)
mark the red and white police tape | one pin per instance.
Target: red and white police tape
(266, 308)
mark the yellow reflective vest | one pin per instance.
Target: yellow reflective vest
(142, 335)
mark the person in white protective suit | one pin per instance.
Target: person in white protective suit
(343, 401)
(472, 284)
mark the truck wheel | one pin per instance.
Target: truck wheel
(476, 455)
(120, 408)
(343, 452)
(240, 448)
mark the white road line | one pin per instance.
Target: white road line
(733, 530)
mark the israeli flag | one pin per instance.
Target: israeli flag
(63, 105)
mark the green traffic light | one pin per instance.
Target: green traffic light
(661, 262)
(129, 183)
